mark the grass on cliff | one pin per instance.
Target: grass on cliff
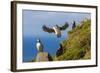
(78, 44)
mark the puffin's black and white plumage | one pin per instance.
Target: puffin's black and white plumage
(39, 45)
(56, 29)
(42, 56)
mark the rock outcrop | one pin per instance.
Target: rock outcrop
(43, 56)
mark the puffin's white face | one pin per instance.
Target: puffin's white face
(38, 40)
(57, 30)
(55, 27)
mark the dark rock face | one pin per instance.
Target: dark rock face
(43, 56)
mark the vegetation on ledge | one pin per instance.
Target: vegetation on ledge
(78, 44)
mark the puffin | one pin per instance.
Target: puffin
(60, 50)
(55, 29)
(42, 56)
(74, 25)
(39, 45)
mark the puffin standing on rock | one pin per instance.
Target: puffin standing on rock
(42, 56)
(56, 29)
(39, 45)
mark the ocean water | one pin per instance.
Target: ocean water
(29, 46)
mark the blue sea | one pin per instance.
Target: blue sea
(29, 46)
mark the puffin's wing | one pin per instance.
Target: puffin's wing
(47, 29)
(64, 26)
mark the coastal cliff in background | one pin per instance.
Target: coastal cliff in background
(78, 44)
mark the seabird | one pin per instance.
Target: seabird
(39, 45)
(59, 51)
(56, 29)
(74, 25)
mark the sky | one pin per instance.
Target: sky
(34, 20)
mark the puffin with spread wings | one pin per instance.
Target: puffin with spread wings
(56, 29)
